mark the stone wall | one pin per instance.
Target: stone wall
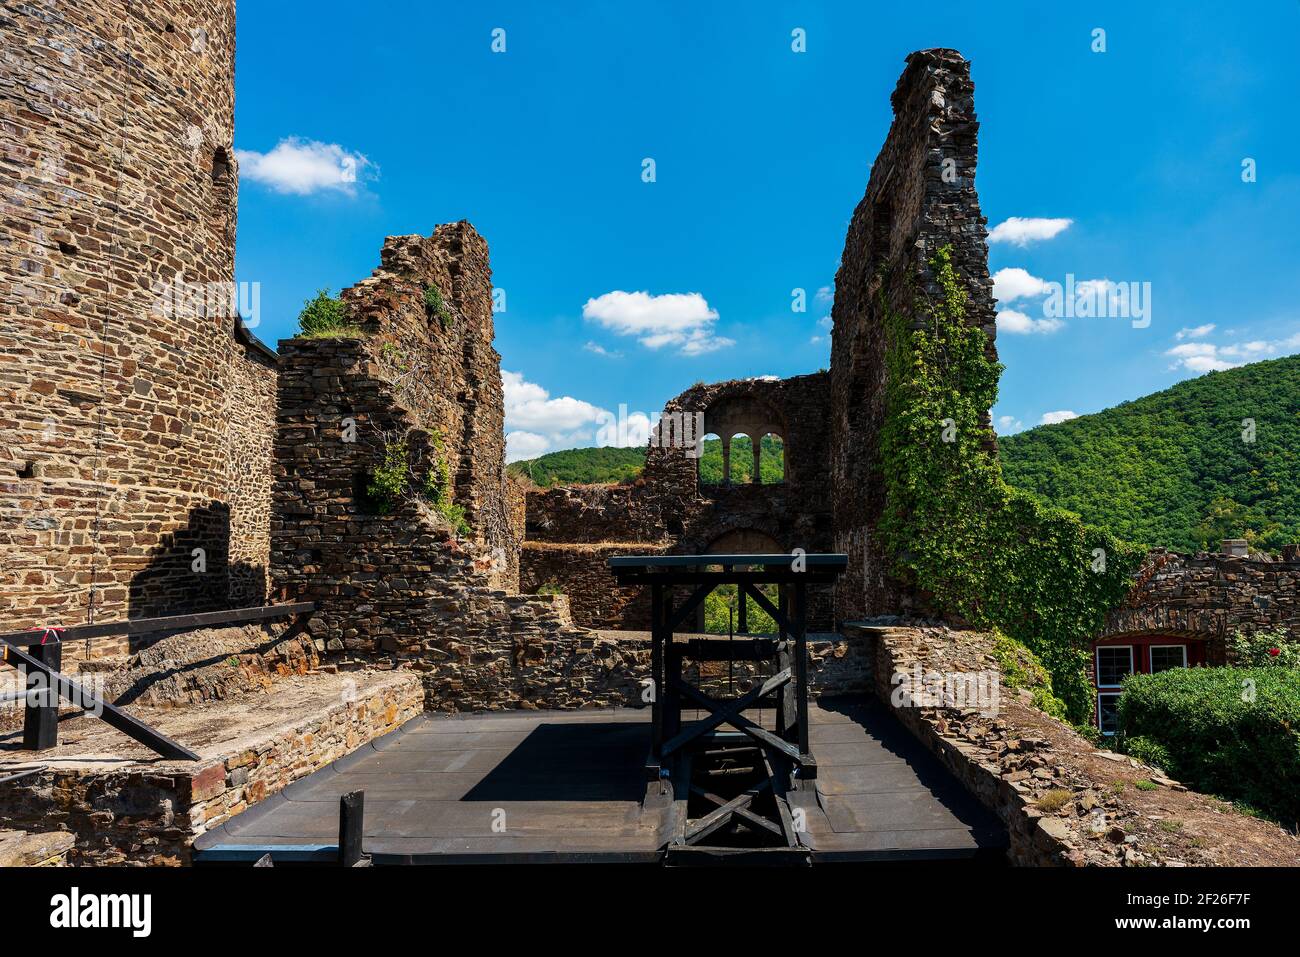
(1063, 801)
(920, 197)
(581, 573)
(1209, 596)
(441, 366)
(133, 423)
(669, 510)
(404, 587)
(150, 813)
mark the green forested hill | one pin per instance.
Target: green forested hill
(1173, 468)
(1168, 469)
(587, 466)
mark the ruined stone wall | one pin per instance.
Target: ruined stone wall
(130, 421)
(1209, 596)
(404, 587)
(668, 509)
(581, 573)
(442, 366)
(920, 197)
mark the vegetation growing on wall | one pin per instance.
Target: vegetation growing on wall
(994, 555)
(391, 481)
(326, 317)
(435, 307)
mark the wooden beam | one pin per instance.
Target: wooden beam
(720, 712)
(741, 723)
(111, 715)
(688, 608)
(143, 626)
(41, 719)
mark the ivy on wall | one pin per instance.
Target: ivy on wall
(994, 555)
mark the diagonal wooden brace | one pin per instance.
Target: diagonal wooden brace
(738, 721)
(111, 715)
(719, 712)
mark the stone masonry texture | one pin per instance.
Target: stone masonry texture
(136, 426)
(669, 510)
(910, 211)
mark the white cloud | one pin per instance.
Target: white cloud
(1052, 418)
(1023, 230)
(1008, 424)
(1194, 332)
(537, 423)
(525, 445)
(683, 320)
(1017, 323)
(1015, 283)
(1210, 357)
(302, 167)
(530, 407)
(600, 350)
(825, 296)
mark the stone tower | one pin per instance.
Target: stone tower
(136, 413)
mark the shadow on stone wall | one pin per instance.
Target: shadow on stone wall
(190, 571)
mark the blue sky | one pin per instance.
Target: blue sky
(357, 121)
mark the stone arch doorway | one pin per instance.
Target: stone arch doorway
(748, 616)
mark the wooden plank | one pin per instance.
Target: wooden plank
(352, 810)
(722, 815)
(109, 714)
(657, 641)
(142, 626)
(742, 812)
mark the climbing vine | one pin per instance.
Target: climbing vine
(992, 554)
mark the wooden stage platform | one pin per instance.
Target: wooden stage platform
(567, 787)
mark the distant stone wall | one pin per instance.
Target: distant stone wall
(920, 197)
(581, 573)
(1209, 596)
(669, 510)
(130, 418)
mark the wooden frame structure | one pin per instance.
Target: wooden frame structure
(44, 657)
(683, 758)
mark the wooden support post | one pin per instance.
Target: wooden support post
(41, 712)
(657, 628)
(352, 808)
(799, 622)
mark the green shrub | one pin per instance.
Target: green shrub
(437, 488)
(549, 588)
(1228, 731)
(434, 306)
(1021, 668)
(721, 610)
(1148, 751)
(391, 479)
(325, 316)
(1264, 649)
